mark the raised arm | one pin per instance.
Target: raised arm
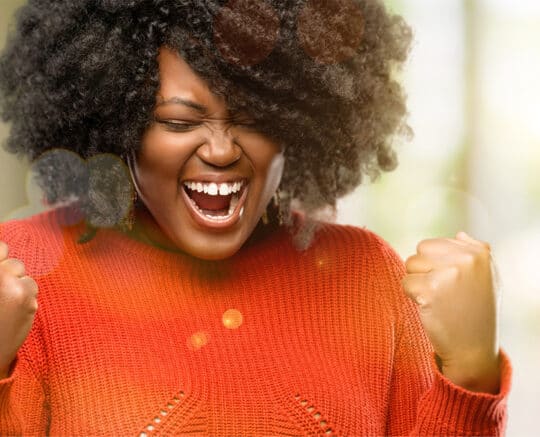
(423, 401)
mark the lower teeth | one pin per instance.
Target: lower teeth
(232, 206)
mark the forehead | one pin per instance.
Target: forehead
(179, 80)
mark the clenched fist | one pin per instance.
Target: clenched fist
(18, 305)
(452, 281)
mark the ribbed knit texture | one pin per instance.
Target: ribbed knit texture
(132, 340)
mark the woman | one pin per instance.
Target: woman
(192, 285)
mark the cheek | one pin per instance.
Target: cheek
(266, 156)
(272, 176)
(162, 155)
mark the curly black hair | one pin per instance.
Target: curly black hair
(315, 75)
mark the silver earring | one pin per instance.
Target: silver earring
(277, 205)
(129, 220)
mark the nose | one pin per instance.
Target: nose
(220, 149)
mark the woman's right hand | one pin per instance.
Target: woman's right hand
(18, 306)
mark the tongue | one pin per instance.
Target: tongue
(212, 203)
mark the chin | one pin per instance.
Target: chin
(213, 250)
(213, 255)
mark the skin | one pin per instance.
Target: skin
(18, 305)
(451, 280)
(212, 144)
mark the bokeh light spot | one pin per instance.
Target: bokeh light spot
(56, 167)
(110, 190)
(104, 180)
(198, 340)
(330, 31)
(246, 31)
(232, 319)
(61, 170)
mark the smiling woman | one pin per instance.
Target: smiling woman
(204, 178)
(194, 287)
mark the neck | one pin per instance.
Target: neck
(146, 230)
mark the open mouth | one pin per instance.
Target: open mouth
(215, 204)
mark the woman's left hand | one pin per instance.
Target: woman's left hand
(453, 283)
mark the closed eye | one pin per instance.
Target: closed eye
(175, 126)
(247, 125)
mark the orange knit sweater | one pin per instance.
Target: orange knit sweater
(131, 340)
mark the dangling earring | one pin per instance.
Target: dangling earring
(277, 205)
(265, 217)
(129, 220)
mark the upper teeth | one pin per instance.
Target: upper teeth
(214, 189)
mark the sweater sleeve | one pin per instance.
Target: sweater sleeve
(23, 400)
(422, 401)
(23, 405)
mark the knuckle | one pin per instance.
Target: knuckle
(18, 292)
(17, 261)
(31, 304)
(409, 262)
(408, 293)
(420, 300)
(35, 306)
(429, 245)
(14, 265)
(411, 289)
(28, 302)
(412, 296)
(31, 285)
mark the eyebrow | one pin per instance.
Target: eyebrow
(180, 101)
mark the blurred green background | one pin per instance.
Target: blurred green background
(474, 164)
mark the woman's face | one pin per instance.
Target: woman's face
(205, 175)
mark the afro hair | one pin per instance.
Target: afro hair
(315, 75)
